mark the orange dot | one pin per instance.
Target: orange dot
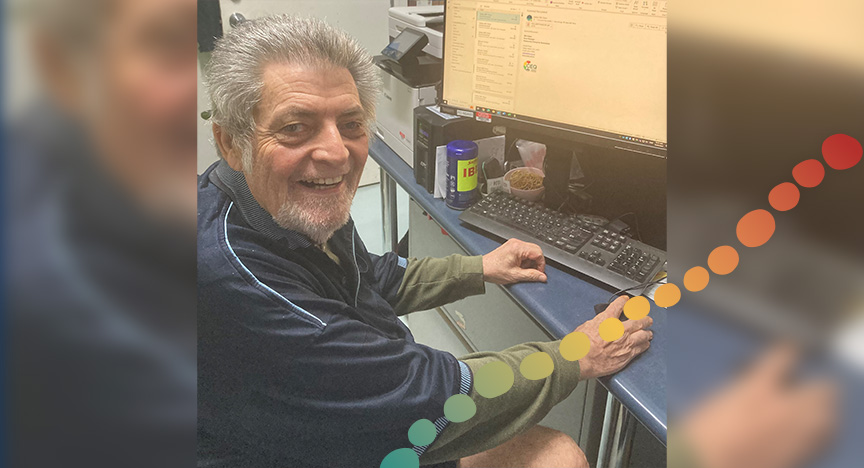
(808, 173)
(755, 228)
(667, 295)
(696, 279)
(723, 260)
(637, 307)
(784, 197)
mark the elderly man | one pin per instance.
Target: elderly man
(302, 359)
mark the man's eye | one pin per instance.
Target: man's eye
(293, 128)
(353, 127)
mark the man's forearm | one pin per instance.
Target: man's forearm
(433, 282)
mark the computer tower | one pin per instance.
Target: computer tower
(432, 129)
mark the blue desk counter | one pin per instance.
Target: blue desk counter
(560, 305)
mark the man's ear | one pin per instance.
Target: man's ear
(227, 148)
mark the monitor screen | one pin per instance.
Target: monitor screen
(595, 69)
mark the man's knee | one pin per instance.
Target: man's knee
(565, 449)
(539, 447)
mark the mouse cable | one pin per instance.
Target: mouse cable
(644, 287)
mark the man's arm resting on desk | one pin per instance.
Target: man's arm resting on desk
(499, 419)
(433, 282)
(527, 402)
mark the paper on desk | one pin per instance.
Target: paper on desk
(440, 172)
(487, 148)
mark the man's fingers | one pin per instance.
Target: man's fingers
(641, 347)
(632, 326)
(820, 394)
(534, 253)
(641, 336)
(541, 262)
(532, 275)
(775, 364)
(614, 309)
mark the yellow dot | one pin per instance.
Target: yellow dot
(611, 329)
(667, 295)
(637, 307)
(537, 366)
(493, 379)
(575, 346)
(696, 279)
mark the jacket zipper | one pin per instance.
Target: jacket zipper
(356, 266)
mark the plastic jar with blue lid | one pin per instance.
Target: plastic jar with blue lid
(461, 174)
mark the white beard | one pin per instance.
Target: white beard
(317, 218)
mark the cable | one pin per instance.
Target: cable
(635, 218)
(644, 287)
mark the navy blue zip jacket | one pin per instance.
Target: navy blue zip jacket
(302, 362)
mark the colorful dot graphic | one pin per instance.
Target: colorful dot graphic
(537, 366)
(611, 329)
(575, 346)
(723, 260)
(696, 279)
(421, 432)
(493, 379)
(784, 197)
(754, 229)
(809, 173)
(459, 408)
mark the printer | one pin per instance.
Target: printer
(411, 68)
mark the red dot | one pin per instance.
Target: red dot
(755, 228)
(784, 197)
(808, 173)
(841, 151)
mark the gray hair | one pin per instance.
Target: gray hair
(234, 73)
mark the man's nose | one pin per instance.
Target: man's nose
(329, 146)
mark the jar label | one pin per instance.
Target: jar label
(466, 176)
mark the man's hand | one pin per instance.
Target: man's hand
(607, 357)
(764, 419)
(513, 262)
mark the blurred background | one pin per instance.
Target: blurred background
(99, 238)
(754, 89)
(101, 124)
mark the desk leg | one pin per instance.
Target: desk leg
(389, 213)
(610, 420)
(616, 439)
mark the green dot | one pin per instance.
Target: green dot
(493, 379)
(459, 408)
(537, 366)
(401, 458)
(422, 432)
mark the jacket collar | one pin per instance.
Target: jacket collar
(234, 184)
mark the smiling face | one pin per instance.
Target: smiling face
(309, 148)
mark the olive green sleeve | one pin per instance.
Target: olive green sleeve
(433, 282)
(501, 418)
(679, 452)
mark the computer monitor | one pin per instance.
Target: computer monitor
(578, 75)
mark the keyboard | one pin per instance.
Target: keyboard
(600, 252)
